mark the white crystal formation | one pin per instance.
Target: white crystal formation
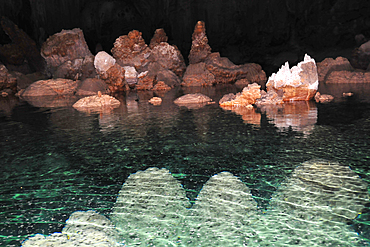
(103, 61)
(294, 77)
(130, 74)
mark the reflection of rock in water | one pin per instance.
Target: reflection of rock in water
(310, 209)
(249, 114)
(300, 116)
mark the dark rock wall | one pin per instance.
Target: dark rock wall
(241, 30)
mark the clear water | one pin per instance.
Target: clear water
(54, 161)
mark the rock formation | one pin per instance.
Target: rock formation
(329, 65)
(193, 100)
(24, 44)
(92, 86)
(7, 81)
(246, 98)
(69, 50)
(298, 83)
(361, 57)
(51, 87)
(97, 103)
(155, 101)
(206, 68)
(323, 98)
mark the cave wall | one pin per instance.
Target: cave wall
(248, 28)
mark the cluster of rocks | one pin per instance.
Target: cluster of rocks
(65, 66)
(310, 208)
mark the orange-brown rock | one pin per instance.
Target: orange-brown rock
(198, 75)
(161, 86)
(323, 98)
(328, 65)
(97, 103)
(131, 50)
(199, 47)
(193, 101)
(246, 98)
(249, 114)
(225, 71)
(155, 101)
(346, 76)
(26, 45)
(269, 98)
(298, 83)
(64, 46)
(51, 87)
(76, 69)
(114, 77)
(158, 37)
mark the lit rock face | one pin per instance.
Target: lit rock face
(131, 50)
(193, 100)
(67, 46)
(83, 228)
(103, 61)
(52, 87)
(213, 68)
(246, 98)
(323, 98)
(97, 103)
(298, 83)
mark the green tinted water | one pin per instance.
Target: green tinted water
(56, 161)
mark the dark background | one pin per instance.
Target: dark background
(244, 31)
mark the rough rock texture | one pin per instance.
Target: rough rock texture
(155, 74)
(26, 45)
(246, 98)
(97, 103)
(114, 77)
(200, 49)
(158, 37)
(298, 83)
(223, 211)
(83, 228)
(77, 69)
(151, 208)
(67, 45)
(269, 98)
(225, 71)
(7, 80)
(323, 98)
(103, 61)
(51, 87)
(193, 98)
(345, 76)
(206, 68)
(155, 101)
(361, 57)
(92, 86)
(169, 57)
(329, 65)
(198, 75)
(131, 50)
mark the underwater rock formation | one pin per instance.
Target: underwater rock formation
(83, 228)
(246, 98)
(97, 103)
(68, 45)
(222, 213)
(51, 87)
(298, 83)
(311, 208)
(151, 208)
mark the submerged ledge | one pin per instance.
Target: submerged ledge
(319, 198)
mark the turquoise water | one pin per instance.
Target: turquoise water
(54, 161)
